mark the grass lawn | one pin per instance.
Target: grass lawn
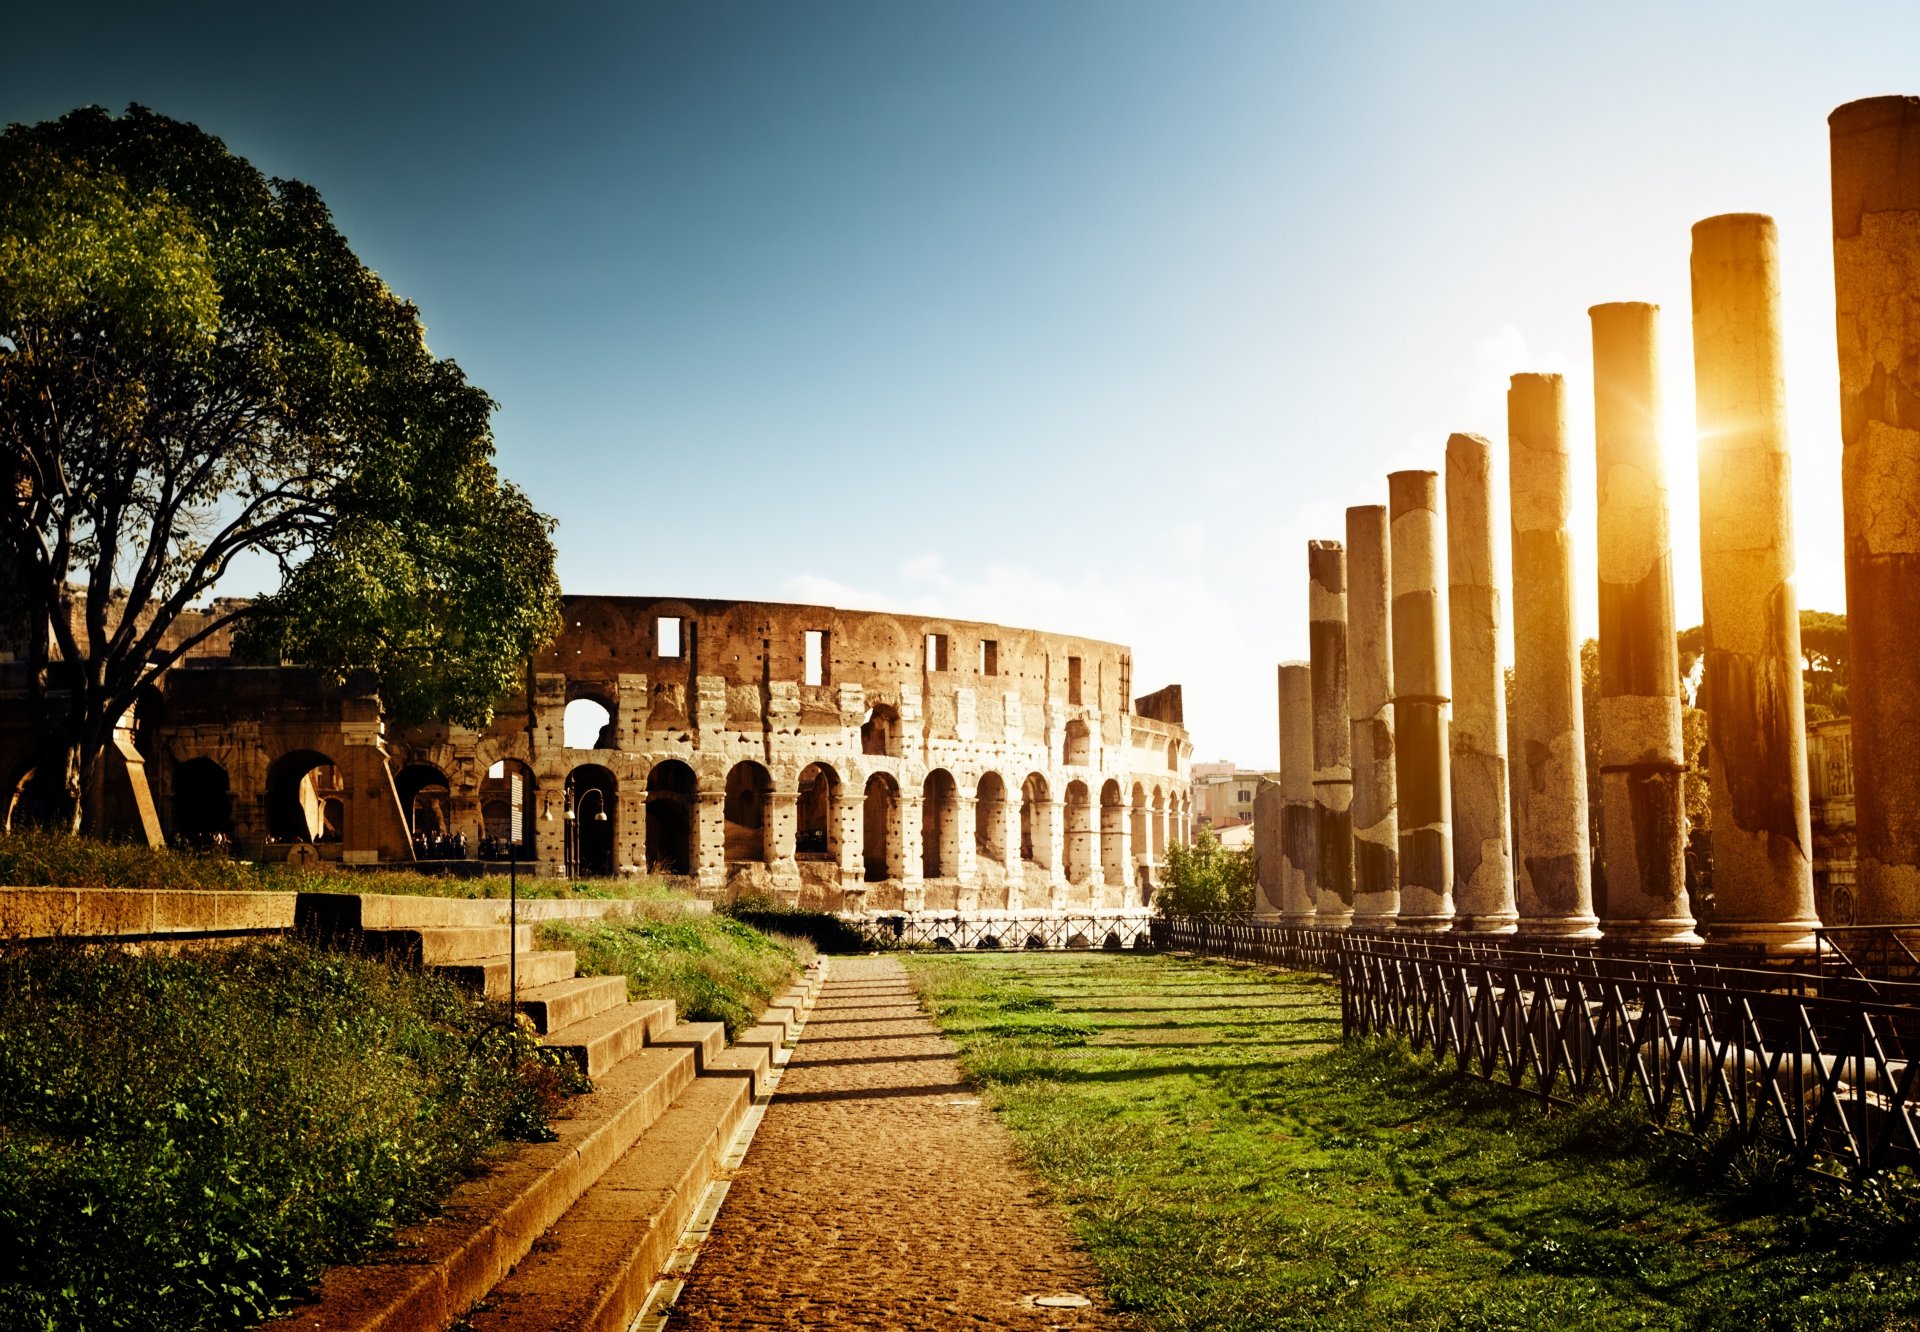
(1229, 1165)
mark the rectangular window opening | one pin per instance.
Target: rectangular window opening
(1073, 679)
(989, 657)
(936, 652)
(816, 664)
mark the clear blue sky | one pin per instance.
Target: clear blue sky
(1078, 315)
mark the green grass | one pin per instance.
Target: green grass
(186, 1139)
(33, 859)
(714, 968)
(1229, 1165)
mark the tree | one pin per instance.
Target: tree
(195, 368)
(1206, 878)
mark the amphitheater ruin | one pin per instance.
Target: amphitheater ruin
(846, 760)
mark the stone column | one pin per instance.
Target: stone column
(1296, 793)
(1550, 779)
(1756, 715)
(1055, 813)
(1332, 735)
(967, 895)
(1421, 690)
(1643, 813)
(1376, 831)
(782, 819)
(710, 838)
(913, 879)
(1876, 287)
(847, 809)
(1483, 847)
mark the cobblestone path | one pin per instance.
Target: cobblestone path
(879, 1193)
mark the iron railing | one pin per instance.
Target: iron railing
(1014, 931)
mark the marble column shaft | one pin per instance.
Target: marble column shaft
(1756, 714)
(1555, 895)
(1482, 844)
(1376, 835)
(1643, 812)
(1421, 690)
(1332, 734)
(1296, 793)
(1876, 282)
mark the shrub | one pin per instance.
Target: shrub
(186, 1140)
(1206, 878)
(714, 968)
(824, 930)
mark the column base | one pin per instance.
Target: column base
(1563, 928)
(1774, 936)
(1425, 924)
(1333, 920)
(1673, 932)
(1365, 918)
(1504, 922)
(1298, 920)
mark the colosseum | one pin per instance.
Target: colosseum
(846, 760)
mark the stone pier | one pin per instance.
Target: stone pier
(1296, 793)
(1756, 727)
(1421, 689)
(1643, 814)
(1376, 838)
(1555, 895)
(1876, 282)
(1332, 735)
(1482, 846)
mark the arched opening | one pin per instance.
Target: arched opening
(990, 819)
(1113, 824)
(940, 826)
(28, 805)
(880, 827)
(816, 831)
(748, 787)
(591, 807)
(496, 811)
(1079, 827)
(1159, 826)
(1036, 827)
(427, 797)
(587, 724)
(880, 732)
(671, 797)
(1077, 752)
(202, 805)
(1173, 756)
(304, 800)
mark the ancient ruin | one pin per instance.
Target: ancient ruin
(846, 760)
(1332, 734)
(1420, 697)
(1376, 833)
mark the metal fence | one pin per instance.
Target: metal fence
(987, 932)
(1814, 1058)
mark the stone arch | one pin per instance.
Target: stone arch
(990, 818)
(880, 732)
(672, 792)
(1113, 826)
(1077, 749)
(1036, 828)
(816, 834)
(880, 827)
(587, 722)
(1173, 756)
(593, 795)
(496, 811)
(303, 795)
(426, 796)
(940, 826)
(202, 807)
(749, 796)
(1079, 829)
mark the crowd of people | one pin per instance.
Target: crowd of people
(432, 844)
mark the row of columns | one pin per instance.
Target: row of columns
(1397, 779)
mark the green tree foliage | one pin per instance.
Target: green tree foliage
(1206, 878)
(195, 368)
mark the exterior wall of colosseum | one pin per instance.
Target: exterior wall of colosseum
(844, 759)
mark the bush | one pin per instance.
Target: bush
(1206, 878)
(824, 930)
(186, 1140)
(714, 968)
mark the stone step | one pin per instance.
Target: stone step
(488, 975)
(705, 1039)
(431, 945)
(599, 1042)
(562, 1003)
(750, 1058)
(442, 1266)
(593, 1269)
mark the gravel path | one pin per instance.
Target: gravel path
(880, 1193)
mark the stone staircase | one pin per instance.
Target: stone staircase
(570, 1233)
